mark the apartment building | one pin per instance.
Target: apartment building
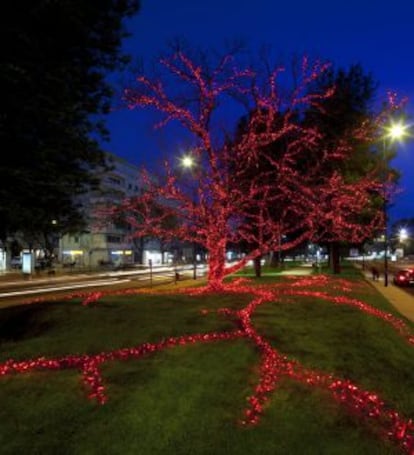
(105, 242)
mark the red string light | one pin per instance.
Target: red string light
(246, 191)
(365, 405)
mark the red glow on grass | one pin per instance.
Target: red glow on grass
(366, 406)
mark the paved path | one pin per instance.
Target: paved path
(400, 299)
(297, 271)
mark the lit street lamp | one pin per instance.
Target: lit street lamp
(395, 132)
(403, 235)
(188, 162)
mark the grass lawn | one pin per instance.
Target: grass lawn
(191, 398)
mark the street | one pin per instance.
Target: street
(19, 287)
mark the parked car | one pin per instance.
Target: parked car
(404, 277)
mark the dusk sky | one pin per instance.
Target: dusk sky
(379, 36)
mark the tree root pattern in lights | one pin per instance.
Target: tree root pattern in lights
(365, 405)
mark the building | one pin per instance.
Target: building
(105, 242)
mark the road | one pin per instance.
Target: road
(18, 287)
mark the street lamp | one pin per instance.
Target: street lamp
(403, 234)
(394, 132)
(188, 162)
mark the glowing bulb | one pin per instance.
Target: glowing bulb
(187, 161)
(403, 234)
(397, 131)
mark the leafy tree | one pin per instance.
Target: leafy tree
(346, 125)
(264, 165)
(54, 91)
(349, 115)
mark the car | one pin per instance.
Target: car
(404, 277)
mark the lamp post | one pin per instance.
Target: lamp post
(188, 162)
(394, 132)
(402, 237)
(384, 208)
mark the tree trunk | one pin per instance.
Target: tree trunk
(329, 248)
(258, 266)
(335, 258)
(216, 263)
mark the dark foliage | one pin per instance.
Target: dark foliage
(56, 55)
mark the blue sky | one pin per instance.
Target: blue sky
(377, 35)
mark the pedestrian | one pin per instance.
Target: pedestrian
(375, 273)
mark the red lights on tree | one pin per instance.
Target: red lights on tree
(244, 191)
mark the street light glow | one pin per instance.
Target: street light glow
(403, 234)
(397, 131)
(187, 161)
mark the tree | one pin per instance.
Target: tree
(349, 115)
(230, 204)
(340, 117)
(54, 92)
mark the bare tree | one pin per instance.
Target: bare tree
(223, 202)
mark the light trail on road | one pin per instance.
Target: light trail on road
(63, 288)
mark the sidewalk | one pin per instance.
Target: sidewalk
(398, 297)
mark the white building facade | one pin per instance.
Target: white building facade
(104, 242)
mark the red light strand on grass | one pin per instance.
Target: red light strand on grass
(89, 364)
(92, 298)
(274, 366)
(365, 405)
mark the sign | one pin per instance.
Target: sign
(28, 262)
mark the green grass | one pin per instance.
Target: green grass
(268, 270)
(190, 399)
